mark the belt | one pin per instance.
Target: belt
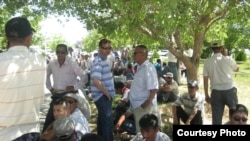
(64, 91)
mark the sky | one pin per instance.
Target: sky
(72, 30)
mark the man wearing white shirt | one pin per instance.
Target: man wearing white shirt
(65, 73)
(144, 86)
(22, 77)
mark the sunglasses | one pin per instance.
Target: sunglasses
(60, 52)
(106, 48)
(137, 53)
(240, 119)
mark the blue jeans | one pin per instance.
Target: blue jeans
(105, 118)
(220, 98)
(28, 137)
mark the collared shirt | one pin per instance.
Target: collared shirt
(197, 103)
(219, 68)
(80, 122)
(101, 71)
(145, 79)
(22, 79)
(66, 75)
(160, 136)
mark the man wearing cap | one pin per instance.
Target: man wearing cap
(193, 103)
(80, 122)
(169, 90)
(218, 69)
(22, 77)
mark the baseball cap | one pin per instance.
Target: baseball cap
(18, 27)
(192, 83)
(63, 128)
(169, 74)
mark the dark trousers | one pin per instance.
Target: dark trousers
(50, 117)
(181, 114)
(105, 118)
(220, 99)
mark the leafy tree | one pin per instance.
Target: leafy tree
(175, 24)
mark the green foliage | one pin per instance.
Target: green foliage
(240, 55)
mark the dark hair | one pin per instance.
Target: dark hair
(119, 85)
(142, 47)
(91, 137)
(62, 46)
(238, 108)
(104, 41)
(149, 121)
(18, 27)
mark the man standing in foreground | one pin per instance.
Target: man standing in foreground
(218, 69)
(102, 90)
(22, 77)
(65, 73)
(144, 86)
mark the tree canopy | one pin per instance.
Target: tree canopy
(175, 24)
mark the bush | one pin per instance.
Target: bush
(240, 56)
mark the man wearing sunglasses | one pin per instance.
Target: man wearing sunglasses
(238, 115)
(65, 73)
(144, 86)
(102, 90)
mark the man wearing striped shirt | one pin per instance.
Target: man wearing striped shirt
(102, 90)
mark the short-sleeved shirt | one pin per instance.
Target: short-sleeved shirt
(145, 79)
(101, 70)
(80, 122)
(197, 103)
(219, 68)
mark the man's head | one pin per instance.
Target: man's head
(73, 99)
(18, 31)
(149, 126)
(105, 47)
(118, 87)
(216, 47)
(61, 108)
(192, 88)
(168, 77)
(140, 54)
(61, 51)
(238, 115)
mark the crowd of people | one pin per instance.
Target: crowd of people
(24, 75)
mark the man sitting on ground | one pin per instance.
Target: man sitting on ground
(61, 108)
(150, 130)
(193, 103)
(80, 121)
(168, 91)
